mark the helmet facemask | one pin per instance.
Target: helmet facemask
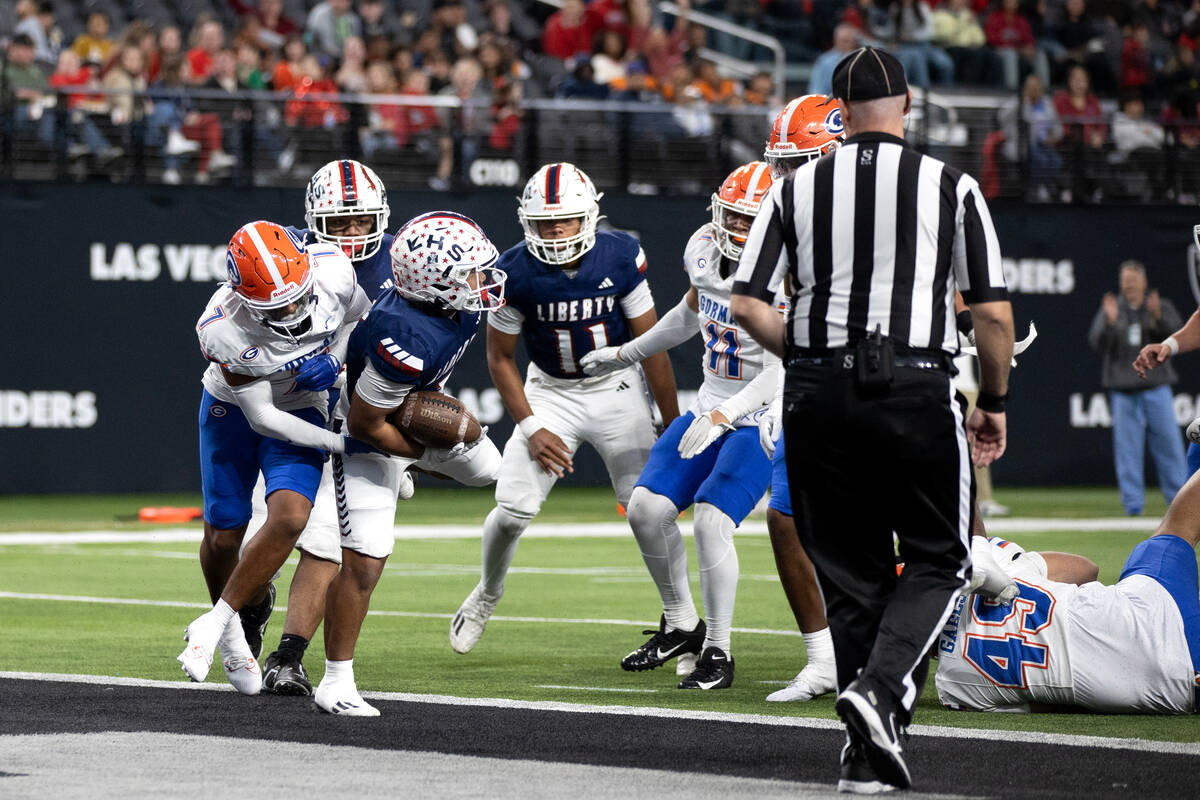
(730, 239)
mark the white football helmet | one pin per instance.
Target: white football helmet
(559, 191)
(445, 259)
(347, 188)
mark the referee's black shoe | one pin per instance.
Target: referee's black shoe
(714, 670)
(872, 712)
(255, 619)
(856, 775)
(285, 677)
(663, 646)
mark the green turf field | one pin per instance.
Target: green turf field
(585, 601)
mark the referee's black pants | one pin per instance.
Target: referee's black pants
(863, 464)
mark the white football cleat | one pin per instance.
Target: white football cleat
(342, 698)
(686, 664)
(201, 635)
(240, 665)
(467, 626)
(816, 679)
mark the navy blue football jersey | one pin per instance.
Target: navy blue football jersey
(566, 317)
(374, 274)
(406, 345)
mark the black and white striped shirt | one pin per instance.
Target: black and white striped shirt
(874, 233)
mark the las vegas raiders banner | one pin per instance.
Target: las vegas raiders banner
(100, 378)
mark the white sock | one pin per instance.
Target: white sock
(501, 532)
(718, 572)
(653, 519)
(339, 672)
(819, 646)
(221, 613)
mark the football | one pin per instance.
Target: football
(435, 420)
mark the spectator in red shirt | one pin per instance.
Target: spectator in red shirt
(287, 69)
(569, 31)
(1010, 33)
(611, 15)
(208, 38)
(1085, 134)
(1136, 69)
(274, 27)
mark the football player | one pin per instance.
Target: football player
(444, 273)
(346, 206)
(710, 456)
(272, 334)
(807, 128)
(571, 289)
(1133, 647)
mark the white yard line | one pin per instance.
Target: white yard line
(987, 735)
(568, 530)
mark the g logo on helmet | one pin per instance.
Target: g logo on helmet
(235, 277)
(833, 122)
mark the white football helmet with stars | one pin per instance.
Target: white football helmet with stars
(347, 188)
(445, 259)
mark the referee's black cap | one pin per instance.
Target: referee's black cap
(868, 73)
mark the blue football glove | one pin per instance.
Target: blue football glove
(318, 373)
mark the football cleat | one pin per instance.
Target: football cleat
(817, 678)
(664, 645)
(201, 635)
(872, 714)
(255, 619)
(467, 626)
(285, 677)
(714, 670)
(342, 698)
(241, 667)
(685, 664)
(856, 775)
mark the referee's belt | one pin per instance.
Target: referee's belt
(843, 358)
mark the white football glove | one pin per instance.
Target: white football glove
(770, 425)
(700, 434)
(987, 577)
(602, 361)
(440, 455)
(1193, 431)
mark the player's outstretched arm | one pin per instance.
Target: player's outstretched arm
(545, 447)
(255, 400)
(1183, 340)
(659, 375)
(676, 327)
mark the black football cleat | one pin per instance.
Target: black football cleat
(714, 670)
(255, 619)
(663, 646)
(285, 677)
(874, 715)
(856, 775)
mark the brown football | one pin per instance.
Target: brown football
(435, 420)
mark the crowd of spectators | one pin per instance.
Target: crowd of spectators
(1066, 64)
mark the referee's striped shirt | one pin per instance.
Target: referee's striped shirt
(874, 233)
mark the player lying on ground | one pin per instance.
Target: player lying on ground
(1133, 647)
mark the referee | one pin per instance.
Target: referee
(872, 241)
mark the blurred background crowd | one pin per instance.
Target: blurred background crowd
(1053, 100)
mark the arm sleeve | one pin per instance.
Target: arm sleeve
(978, 268)
(378, 390)
(255, 401)
(676, 327)
(506, 319)
(638, 301)
(758, 393)
(763, 262)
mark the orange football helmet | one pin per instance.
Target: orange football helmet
(807, 128)
(736, 203)
(270, 271)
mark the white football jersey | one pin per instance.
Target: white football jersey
(232, 338)
(1106, 648)
(732, 358)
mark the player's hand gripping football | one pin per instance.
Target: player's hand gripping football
(987, 577)
(602, 361)
(550, 452)
(704, 430)
(770, 425)
(440, 455)
(318, 373)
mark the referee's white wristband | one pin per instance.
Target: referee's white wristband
(530, 425)
(1172, 344)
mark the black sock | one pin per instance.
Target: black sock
(292, 647)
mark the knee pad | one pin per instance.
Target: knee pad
(651, 516)
(714, 535)
(511, 521)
